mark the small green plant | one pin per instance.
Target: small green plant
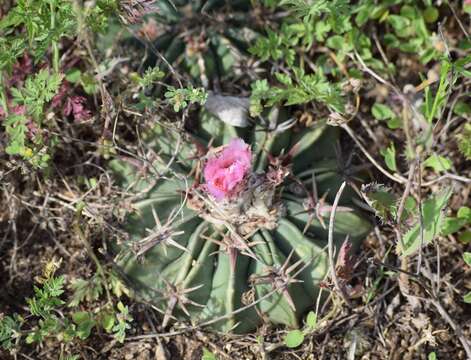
(35, 28)
(45, 22)
(435, 102)
(181, 98)
(122, 324)
(86, 290)
(9, 330)
(385, 113)
(438, 163)
(432, 213)
(409, 23)
(294, 338)
(149, 77)
(457, 224)
(24, 127)
(45, 321)
(304, 89)
(43, 305)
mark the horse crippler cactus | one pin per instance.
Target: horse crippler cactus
(232, 235)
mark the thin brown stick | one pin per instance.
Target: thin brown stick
(458, 20)
(333, 274)
(421, 215)
(399, 179)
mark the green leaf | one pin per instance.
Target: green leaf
(379, 12)
(336, 42)
(321, 29)
(467, 298)
(467, 9)
(438, 163)
(80, 317)
(382, 112)
(465, 237)
(36, 92)
(389, 155)
(464, 141)
(311, 320)
(431, 14)
(150, 76)
(85, 324)
(433, 219)
(89, 84)
(363, 15)
(294, 338)
(452, 225)
(107, 322)
(123, 318)
(467, 258)
(409, 12)
(208, 355)
(69, 357)
(434, 103)
(285, 79)
(14, 149)
(73, 75)
(394, 123)
(432, 356)
(85, 289)
(121, 307)
(382, 200)
(399, 23)
(410, 203)
(464, 213)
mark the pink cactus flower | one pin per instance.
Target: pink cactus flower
(224, 172)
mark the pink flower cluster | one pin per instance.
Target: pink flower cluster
(70, 103)
(224, 172)
(66, 100)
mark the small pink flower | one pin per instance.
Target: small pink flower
(14, 110)
(61, 94)
(75, 105)
(228, 169)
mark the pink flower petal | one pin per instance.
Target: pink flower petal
(224, 172)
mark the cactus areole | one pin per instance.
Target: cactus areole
(233, 234)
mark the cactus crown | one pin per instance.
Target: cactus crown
(197, 35)
(235, 236)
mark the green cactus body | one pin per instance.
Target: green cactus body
(193, 34)
(195, 267)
